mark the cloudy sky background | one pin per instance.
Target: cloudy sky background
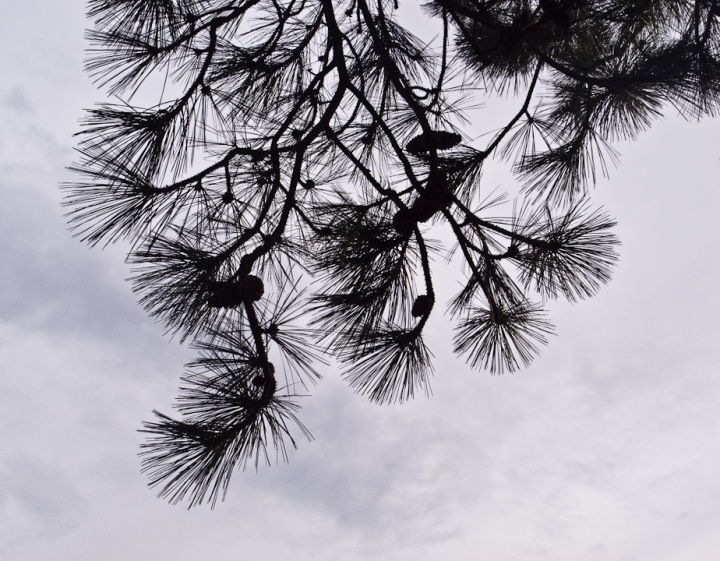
(607, 448)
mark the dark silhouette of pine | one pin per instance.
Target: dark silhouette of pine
(278, 192)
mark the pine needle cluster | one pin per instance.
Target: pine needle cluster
(278, 193)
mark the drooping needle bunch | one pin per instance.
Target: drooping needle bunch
(279, 188)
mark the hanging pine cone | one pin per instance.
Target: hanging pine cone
(436, 197)
(251, 288)
(438, 140)
(231, 294)
(404, 222)
(443, 198)
(424, 208)
(225, 295)
(437, 184)
(422, 305)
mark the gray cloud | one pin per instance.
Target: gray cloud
(36, 501)
(16, 100)
(605, 449)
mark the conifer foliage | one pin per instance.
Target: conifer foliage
(279, 188)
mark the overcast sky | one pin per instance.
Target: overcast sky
(607, 448)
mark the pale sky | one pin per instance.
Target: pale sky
(606, 448)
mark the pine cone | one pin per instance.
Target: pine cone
(251, 288)
(422, 305)
(439, 140)
(424, 208)
(225, 295)
(231, 294)
(404, 222)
